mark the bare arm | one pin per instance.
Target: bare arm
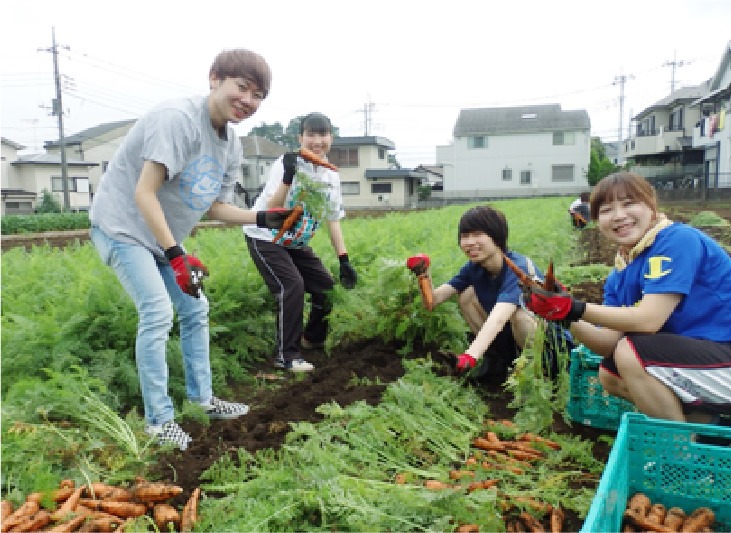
(277, 199)
(151, 179)
(231, 214)
(336, 237)
(496, 320)
(443, 293)
(647, 317)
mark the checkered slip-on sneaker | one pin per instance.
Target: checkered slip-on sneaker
(169, 433)
(222, 410)
(295, 365)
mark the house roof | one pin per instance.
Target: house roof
(17, 192)
(255, 146)
(90, 133)
(684, 95)
(12, 144)
(393, 173)
(520, 119)
(51, 159)
(437, 170)
(361, 141)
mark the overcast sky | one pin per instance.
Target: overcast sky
(418, 63)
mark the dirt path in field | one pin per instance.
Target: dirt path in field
(276, 403)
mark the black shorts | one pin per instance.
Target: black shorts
(698, 371)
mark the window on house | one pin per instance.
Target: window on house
(561, 138)
(477, 141)
(105, 165)
(562, 173)
(344, 157)
(82, 185)
(349, 187)
(507, 174)
(57, 184)
(245, 171)
(381, 153)
(380, 188)
(525, 177)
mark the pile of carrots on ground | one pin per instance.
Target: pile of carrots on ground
(511, 455)
(642, 515)
(99, 507)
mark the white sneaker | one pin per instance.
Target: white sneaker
(169, 433)
(295, 365)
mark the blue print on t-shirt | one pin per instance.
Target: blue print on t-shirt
(200, 183)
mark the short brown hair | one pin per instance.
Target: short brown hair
(629, 183)
(241, 63)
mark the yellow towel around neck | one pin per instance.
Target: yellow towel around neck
(621, 260)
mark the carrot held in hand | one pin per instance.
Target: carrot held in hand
(297, 211)
(419, 265)
(311, 157)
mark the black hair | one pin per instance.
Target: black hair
(488, 220)
(316, 123)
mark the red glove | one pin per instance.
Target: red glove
(465, 363)
(554, 306)
(189, 271)
(418, 263)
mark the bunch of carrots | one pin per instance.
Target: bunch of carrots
(99, 507)
(520, 513)
(642, 515)
(297, 210)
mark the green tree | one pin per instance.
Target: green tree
(393, 162)
(273, 132)
(48, 203)
(599, 165)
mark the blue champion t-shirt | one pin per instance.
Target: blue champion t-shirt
(681, 260)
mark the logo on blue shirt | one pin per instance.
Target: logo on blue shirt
(200, 183)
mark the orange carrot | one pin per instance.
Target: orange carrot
(154, 492)
(310, 156)
(119, 495)
(507, 423)
(484, 444)
(6, 509)
(69, 505)
(297, 211)
(35, 523)
(531, 437)
(639, 504)
(468, 528)
(485, 484)
(61, 495)
(101, 525)
(674, 518)
(189, 515)
(531, 523)
(67, 527)
(493, 466)
(123, 509)
(66, 484)
(492, 437)
(523, 278)
(164, 514)
(644, 524)
(427, 292)
(524, 456)
(20, 515)
(700, 519)
(549, 280)
(557, 517)
(400, 479)
(657, 513)
(459, 474)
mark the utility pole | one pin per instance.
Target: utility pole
(674, 64)
(368, 116)
(58, 111)
(620, 80)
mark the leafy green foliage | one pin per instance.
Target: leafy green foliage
(49, 203)
(47, 221)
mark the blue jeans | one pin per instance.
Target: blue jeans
(153, 289)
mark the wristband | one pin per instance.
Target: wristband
(173, 252)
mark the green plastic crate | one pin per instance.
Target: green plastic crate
(589, 403)
(661, 459)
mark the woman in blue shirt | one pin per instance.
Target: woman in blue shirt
(664, 328)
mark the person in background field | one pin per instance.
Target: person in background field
(490, 298)
(664, 328)
(579, 211)
(177, 163)
(289, 266)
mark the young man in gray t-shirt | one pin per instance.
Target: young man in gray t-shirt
(177, 163)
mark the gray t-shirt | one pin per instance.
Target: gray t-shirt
(201, 168)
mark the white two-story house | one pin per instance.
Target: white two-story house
(517, 151)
